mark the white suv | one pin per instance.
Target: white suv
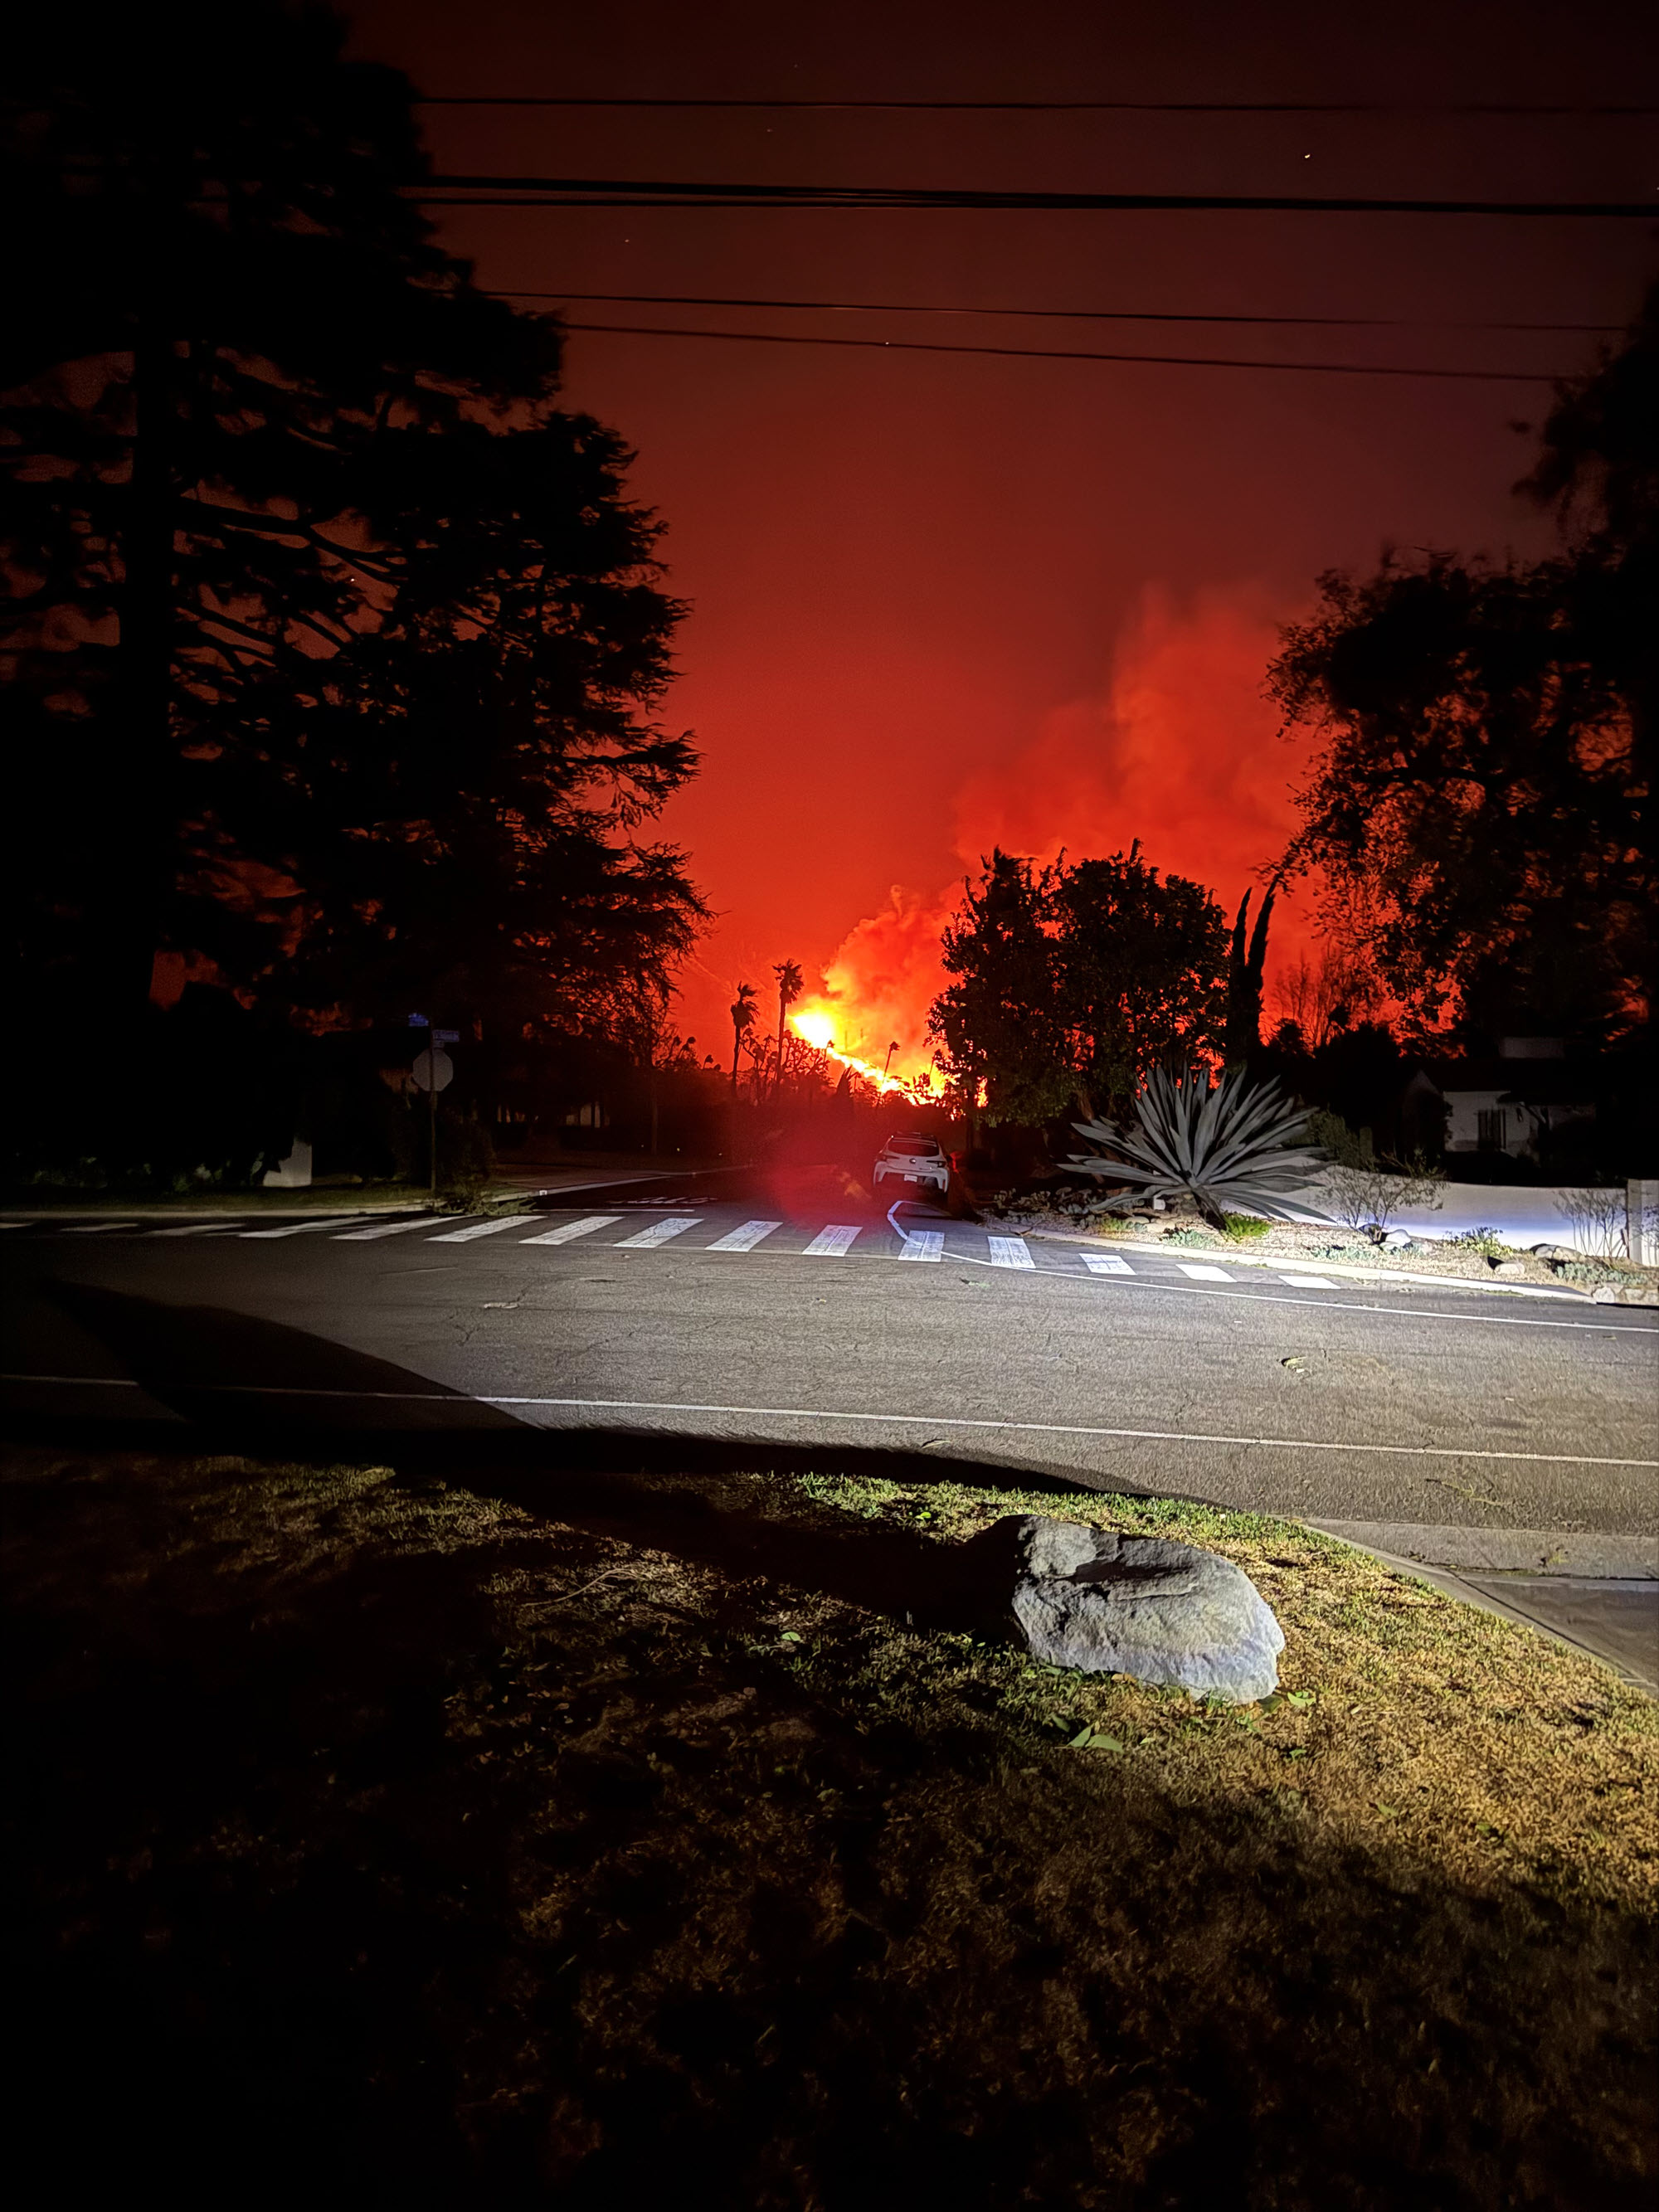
(911, 1166)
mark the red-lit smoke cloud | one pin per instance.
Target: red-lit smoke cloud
(1181, 749)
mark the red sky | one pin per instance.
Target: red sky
(939, 601)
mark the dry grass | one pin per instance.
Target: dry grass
(394, 1829)
(1473, 1740)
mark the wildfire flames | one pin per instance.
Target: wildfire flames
(818, 1026)
(1181, 749)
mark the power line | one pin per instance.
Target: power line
(617, 192)
(1056, 106)
(1043, 353)
(1057, 314)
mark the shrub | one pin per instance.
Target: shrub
(1597, 1218)
(1231, 1147)
(1372, 1197)
(1485, 1240)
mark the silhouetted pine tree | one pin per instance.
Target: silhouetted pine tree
(333, 645)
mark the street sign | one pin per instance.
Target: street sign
(446, 1036)
(432, 1071)
(419, 1022)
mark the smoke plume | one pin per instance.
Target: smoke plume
(1181, 749)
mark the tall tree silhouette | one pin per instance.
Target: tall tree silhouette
(1481, 812)
(1245, 964)
(335, 644)
(998, 1019)
(1070, 983)
(1140, 967)
(743, 1020)
(789, 979)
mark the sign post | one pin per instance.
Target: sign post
(434, 1071)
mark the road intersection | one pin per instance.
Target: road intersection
(1279, 1389)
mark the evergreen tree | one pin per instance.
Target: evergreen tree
(998, 1021)
(1073, 983)
(1141, 963)
(1481, 813)
(332, 645)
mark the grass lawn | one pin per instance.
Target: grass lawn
(372, 1832)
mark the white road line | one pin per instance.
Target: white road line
(485, 1229)
(567, 1231)
(199, 1229)
(1203, 1274)
(1010, 1252)
(388, 1228)
(303, 1227)
(1310, 1282)
(1106, 1263)
(659, 1233)
(832, 1243)
(923, 1244)
(98, 1229)
(745, 1238)
(826, 1413)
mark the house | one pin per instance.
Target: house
(1523, 1101)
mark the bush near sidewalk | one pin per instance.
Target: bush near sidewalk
(384, 1826)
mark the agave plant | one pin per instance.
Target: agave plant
(1230, 1150)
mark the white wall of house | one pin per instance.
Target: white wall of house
(1495, 1121)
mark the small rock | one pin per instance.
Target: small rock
(1555, 1252)
(1508, 1267)
(1088, 1598)
(1398, 1240)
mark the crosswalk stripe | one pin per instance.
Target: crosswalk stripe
(647, 1240)
(97, 1228)
(1106, 1263)
(1010, 1252)
(1203, 1274)
(199, 1229)
(923, 1244)
(485, 1229)
(567, 1230)
(832, 1242)
(745, 1238)
(303, 1227)
(1310, 1282)
(387, 1229)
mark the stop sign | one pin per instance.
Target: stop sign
(432, 1071)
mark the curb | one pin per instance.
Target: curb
(186, 1211)
(1513, 1606)
(1286, 1262)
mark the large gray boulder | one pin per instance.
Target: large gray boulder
(1088, 1598)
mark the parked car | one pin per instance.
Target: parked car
(911, 1166)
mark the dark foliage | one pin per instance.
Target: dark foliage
(1072, 983)
(1141, 963)
(1482, 809)
(998, 1021)
(332, 643)
(1246, 960)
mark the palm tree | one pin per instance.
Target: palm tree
(743, 1020)
(790, 985)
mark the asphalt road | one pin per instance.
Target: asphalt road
(1401, 1407)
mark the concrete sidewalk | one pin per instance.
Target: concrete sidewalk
(1598, 1594)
